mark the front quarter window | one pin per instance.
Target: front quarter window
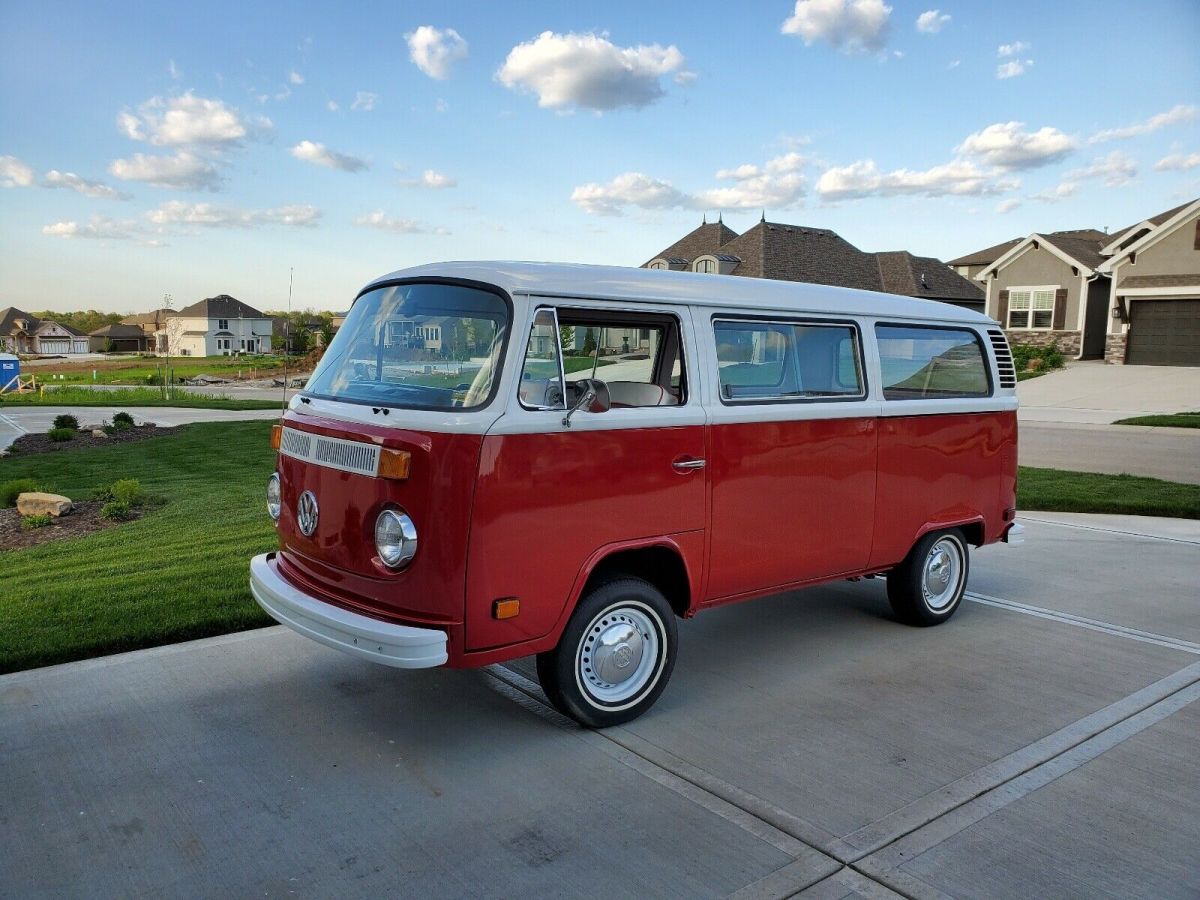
(542, 375)
(417, 345)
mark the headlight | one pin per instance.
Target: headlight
(273, 496)
(395, 538)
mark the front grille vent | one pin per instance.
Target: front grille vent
(333, 453)
(1004, 359)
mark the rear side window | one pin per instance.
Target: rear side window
(931, 363)
(765, 361)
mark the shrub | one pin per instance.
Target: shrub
(1052, 357)
(61, 434)
(66, 421)
(1027, 357)
(10, 490)
(1022, 354)
(127, 492)
(123, 418)
(115, 511)
(28, 523)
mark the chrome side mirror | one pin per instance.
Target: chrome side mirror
(595, 399)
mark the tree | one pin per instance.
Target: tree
(589, 342)
(566, 338)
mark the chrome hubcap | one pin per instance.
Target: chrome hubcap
(943, 569)
(618, 656)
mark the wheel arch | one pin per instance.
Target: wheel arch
(660, 561)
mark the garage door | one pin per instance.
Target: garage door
(51, 346)
(1164, 333)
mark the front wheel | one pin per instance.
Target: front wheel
(615, 655)
(928, 586)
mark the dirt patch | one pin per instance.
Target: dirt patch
(29, 444)
(83, 519)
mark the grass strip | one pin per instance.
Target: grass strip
(1170, 420)
(1054, 490)
(177, 397)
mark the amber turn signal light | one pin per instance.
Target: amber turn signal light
(505, 608)
(276, 436)
(394, 463)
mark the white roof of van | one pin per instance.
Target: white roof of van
(627, 283)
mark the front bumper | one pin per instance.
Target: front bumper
(400, 646)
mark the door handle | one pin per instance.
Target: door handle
(688, 464)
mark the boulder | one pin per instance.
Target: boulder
(99, 432)
(36, 503)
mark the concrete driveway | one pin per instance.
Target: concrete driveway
(1042, 743)
(16, 421)
(1096, 393)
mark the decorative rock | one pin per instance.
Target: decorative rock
(35, 503)
(98, 432)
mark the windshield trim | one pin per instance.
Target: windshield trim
(498, 372)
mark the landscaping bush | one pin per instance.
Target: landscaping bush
(115, 511)
(127, 491)
(66, 421)
(1027, 357)
(10, 490)
(123, 418)
(61, 434)
(28, 523)
(117, 426)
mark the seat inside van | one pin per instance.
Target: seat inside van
(636, 393)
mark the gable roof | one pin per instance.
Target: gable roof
(69, 329)
(118, 330)
(799, 253)
(8, 320)
(985, 256)
(924, 276)
(702, 241)
(154, 317)
(1079, 248)
(221, 306)
(1174, 218)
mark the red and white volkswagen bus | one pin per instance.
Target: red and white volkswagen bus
(494, 460)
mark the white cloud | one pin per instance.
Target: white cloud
(1006, 146)
(1063, 191)
(441, 106)
(183, 170)
(931, 21)
(776, 184)
(295, 77)
(320, 155)
(332, 106)
(173, 70)
(14, 173)
(589, 71)
(364, 101)
(1013, 68)
(98, 227)
(1115, 169)
(1007, 206)
(187, 121)
(435, 51)
(383, 222)
(1012, 49)
(177, 212)
(73, 182)
(1177, 162)
(864, 179)
(848, 25)
(432, 180)
(1173, 116)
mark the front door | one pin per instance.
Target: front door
(551, 496)
(792, 454)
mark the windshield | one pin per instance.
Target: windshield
(425, 346)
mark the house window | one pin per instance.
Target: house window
(658, 265)
(1031, 308)
(222, 324)
(707, 266)
(223, 344)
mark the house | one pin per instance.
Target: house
(1154, 297)
(218, 326)
(22, 333)
(816, 255)
(1046, 289)
(972, 264)
(120, 338)
(154, 325)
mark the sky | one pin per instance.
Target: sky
(190, 150)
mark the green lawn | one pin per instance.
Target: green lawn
(1056, 490)
(136, 369)
(144, 396)
(180, 572)
(1174, 420)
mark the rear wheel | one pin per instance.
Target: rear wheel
(615, 655)
(928, 586)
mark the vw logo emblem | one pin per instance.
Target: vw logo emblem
(307, 513)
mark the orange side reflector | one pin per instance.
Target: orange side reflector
(505, 608)
(276, 436)
(394, 463)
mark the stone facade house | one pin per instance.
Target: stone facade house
(22, 333)
(218, 326)
(1154, 297)
(120, 338)
(154, 326)
(815, 255)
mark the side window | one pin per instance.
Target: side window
(638, 356)
(764, 361)
(541, 376)
(930, 363)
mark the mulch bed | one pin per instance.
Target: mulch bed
(29, 444)
(83, 519)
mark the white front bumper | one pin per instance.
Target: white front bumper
(401, 646)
